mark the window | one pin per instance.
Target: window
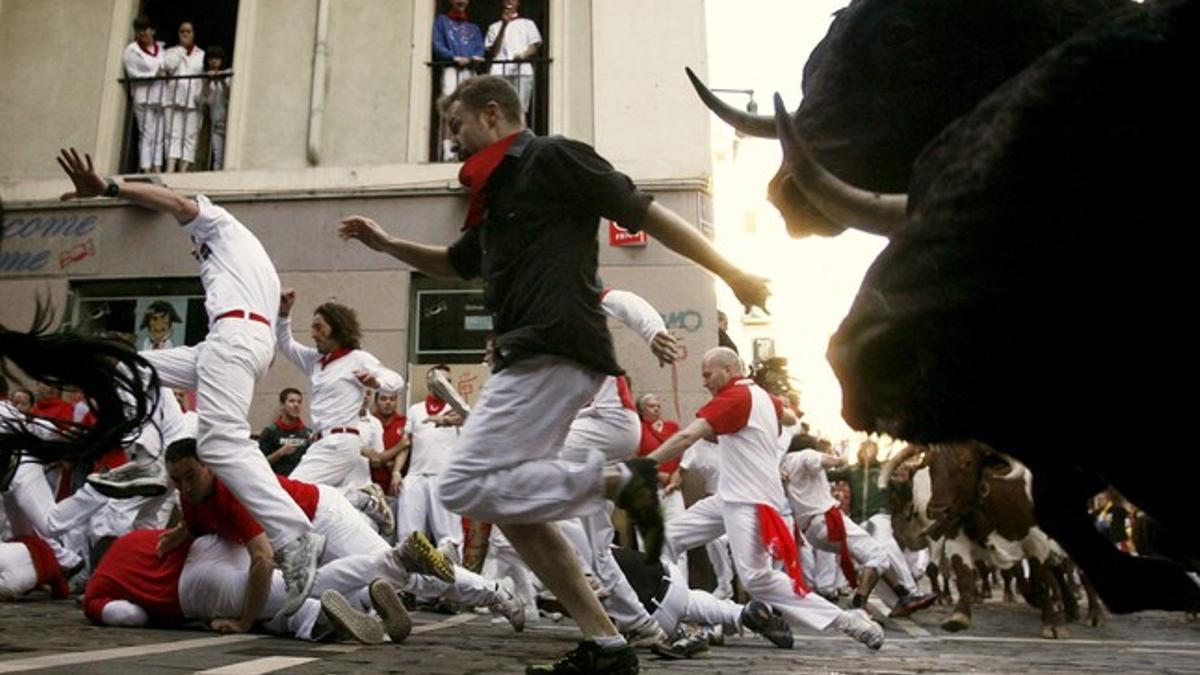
(448, 323)
(160, 313)
(176, 117)
(531, 76)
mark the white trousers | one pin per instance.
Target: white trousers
(622, 603)
(150, 135)
(216, 146)
(182, 125)
(863, 548)
(506, 467)
(419, 509)
(223, 370)
(98, 516)
(17, 574)
(29, 504)
(684, 604)
(524, 86)
(708, 518)
(722, 564)
(502, 561)
(335, 460)
(880, 527)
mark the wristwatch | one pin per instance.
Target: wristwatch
(112, 187)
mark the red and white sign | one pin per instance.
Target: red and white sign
(619, 236)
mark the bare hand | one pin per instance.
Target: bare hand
(286, 300)
(751, 290)
(397, 485)
(461, 60)
(666, 347)
(365, 230)
(169, 540)
(366, 379)
(228, 626)
(88, 182)
(286, 449)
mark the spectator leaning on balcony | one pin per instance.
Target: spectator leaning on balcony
(144, 58)
(215, 92)
(456, 39)
(182, 102)
(514, 38)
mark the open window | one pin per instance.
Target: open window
(178, 113)
(530, 75)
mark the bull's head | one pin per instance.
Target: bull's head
(885, 80)
(959, 474)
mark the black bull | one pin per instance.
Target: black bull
(1028, 295)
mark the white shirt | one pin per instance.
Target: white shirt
(520, 34)
(704, 458)
(370, 432)
(336, 395)
(431, 444)
(808, 488)
(184, 93)
(140, 64)
(746, 420)
(640, 316)
(235, 269)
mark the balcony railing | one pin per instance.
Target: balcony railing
(529, 76)
(179, 116)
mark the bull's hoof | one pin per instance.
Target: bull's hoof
(945, 599)
(957, 622)
(1072, 613)
(1009, 597)
(1096, 618)
(1055, 632)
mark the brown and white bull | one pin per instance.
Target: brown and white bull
(974, 505)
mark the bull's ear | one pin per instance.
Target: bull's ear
(995, 464)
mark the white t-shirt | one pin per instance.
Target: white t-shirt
(431, 444)
(178, 61)
(808, 488)
(520, 34)
(704, 458)
(235, 269)
(370, 432)
(746, 420)
(336, 395)
(139, 63)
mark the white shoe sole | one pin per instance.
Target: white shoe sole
(359, 626)
(396, 620)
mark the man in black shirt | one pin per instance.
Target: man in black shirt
(531, 235)
(285, 440)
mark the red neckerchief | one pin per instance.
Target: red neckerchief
(835, 531)
(778, 541)
(191, 49)
(433, 404)
(475, 173)
(151, 53)
(457, 14)
(334, 355)
(286, 427)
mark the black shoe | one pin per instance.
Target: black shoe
(913, 603)
(759, 617)
(639, 499)
(589, 659)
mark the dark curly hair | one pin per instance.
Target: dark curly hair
(343, 323)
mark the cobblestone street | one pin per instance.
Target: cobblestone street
(53, 637)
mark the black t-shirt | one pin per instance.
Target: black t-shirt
(536, 250)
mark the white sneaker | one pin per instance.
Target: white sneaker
(132, 479)
(509, 605)
(859, 626)
(298, 563)
(646, 634)
(378, 509)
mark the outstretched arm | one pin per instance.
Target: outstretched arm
(89, 183)
(682, 440)
(432, 260)
(632, 310)
(678, 235)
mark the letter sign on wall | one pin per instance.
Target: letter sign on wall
(619, 236)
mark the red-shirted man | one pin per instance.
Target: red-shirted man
(388, 414)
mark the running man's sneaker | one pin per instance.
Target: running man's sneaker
(132, 479)
(440, 385)
(639, 499)
(419, 556)
(378, 509)
(759, 617)
(298, 563)
(360, 626)
(588, 657)
(858, 625)
(646, 634)
(687, 647)
(509, 605)
(914, 602)
(386, 603)
(450, 551)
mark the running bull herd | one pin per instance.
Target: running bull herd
(1027, 161)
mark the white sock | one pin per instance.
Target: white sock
(610, 642)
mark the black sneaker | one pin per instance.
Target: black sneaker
(589, 659)
(639, 499)
(914, 602)
(759, 617)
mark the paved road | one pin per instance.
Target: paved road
(53, 637)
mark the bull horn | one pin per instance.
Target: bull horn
(762, 126)
(839, 201)
(1016, 471)
(885, 471)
